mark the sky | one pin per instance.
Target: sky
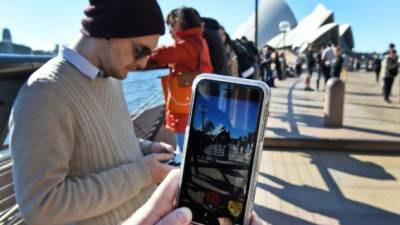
(42, 24)
(222, 117)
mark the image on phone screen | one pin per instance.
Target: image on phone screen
(220, 151)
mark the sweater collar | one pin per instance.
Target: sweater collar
(192, 32)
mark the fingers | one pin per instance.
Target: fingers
(181, 216)
(255, 220)
(167, 168)
(170, 183)
(167, 148)
(162, 156)
(158, 169)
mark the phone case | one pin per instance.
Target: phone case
(260, 139)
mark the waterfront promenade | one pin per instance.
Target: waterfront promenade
(297, 117)
(323, 183)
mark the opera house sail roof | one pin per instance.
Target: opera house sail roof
(270, 14)
(316, 29)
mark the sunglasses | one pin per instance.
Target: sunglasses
(141, 51)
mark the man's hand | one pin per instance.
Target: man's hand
(161, 147)
(157, 169)
(255, 220)
(159, 209)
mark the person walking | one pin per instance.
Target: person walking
(327, 57)
(390, 68)
(310, 68)
(232, 58)
(337, 64)
(319, 64)
(266, 63)
(377, 67)
(215, 45)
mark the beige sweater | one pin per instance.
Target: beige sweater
(75, 154)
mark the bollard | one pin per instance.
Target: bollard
(334, 103)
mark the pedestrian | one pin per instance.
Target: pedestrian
(390, 68)
(232, 58)
(337, 64)
(310, 68)
(319, 64)
(186, 58)
(377, 67)
(215, 45)
(278, 65)
(76, 159)
(327, 57)
(266, 62)
(299, 65)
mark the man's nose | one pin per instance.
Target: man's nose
(141, 64)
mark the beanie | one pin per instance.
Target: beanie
(122, 18)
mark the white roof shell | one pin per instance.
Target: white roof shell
(346, 36)
(307, 30)
(271, 13)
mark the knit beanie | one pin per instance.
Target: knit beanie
(122, 18)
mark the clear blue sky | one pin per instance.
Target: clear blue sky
(41, 24)
(218, 117)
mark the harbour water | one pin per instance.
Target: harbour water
(143, 89)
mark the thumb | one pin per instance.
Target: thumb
(162, 156)
(181, 216)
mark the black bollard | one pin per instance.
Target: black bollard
(334, 103)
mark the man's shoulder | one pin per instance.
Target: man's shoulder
(47, 80)
(50, 71)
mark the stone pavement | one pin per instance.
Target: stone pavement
(296, 116)
(299, 184)
(327, 187)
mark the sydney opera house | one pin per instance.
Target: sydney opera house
(316, 29)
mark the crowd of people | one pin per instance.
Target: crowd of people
(329, 61)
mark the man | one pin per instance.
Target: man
(215, 45)
(310, 68)
(337, 64)
(266, 66)
(377, 67)
(390, 68)
(327, 57)
(76, 157)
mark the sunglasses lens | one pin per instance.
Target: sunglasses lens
(141, 52)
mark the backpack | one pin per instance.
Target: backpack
(244, 57)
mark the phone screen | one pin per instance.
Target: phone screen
(220, 151)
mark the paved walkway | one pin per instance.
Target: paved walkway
(330, 187)
(298, 115)
(324, 187)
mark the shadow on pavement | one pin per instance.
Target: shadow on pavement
(275, 217)
(362, 93)
(345, 163)
(374, 106)
(329, 203)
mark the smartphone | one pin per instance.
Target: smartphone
(223, 145)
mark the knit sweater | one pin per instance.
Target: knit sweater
(76, 157)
